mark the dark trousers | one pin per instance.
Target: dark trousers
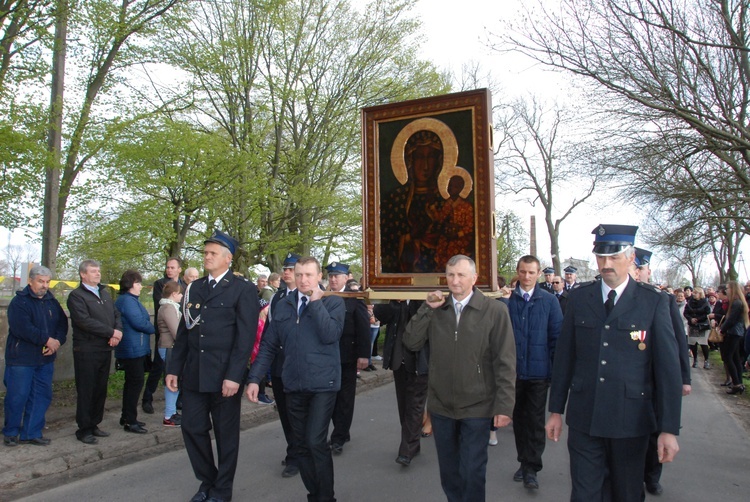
(528, 422)
(134, 378)
(155, 375)
(201, 410)
(292, 448)
(462, 456)
(594, 459)
(91, 371)
(652, 471)
(343, 411)
(730, 354)
(309, 415)
(411, 394)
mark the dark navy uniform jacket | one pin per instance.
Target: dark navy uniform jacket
(611, 387)
(218, 347)
(355, 337)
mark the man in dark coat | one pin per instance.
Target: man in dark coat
(558, 289)
(171, 273)
(549, 274)
(287, 286)
(409, 373)
(616, 368)
(96, 330)
(536, 318)
(571, 278)
(641, 272)
(354, 349)
(37, 327)
(211, 352)
(308, 326)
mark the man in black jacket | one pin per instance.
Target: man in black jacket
(616, 367)
(641, 272)
(409, 373)
(355, 350)
(96, 330)
(171, 273)
(211, 351)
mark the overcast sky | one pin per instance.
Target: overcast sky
(457, 33)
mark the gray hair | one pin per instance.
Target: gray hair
(628, 251)
(85, 264)
(262, 276)
(457, 258)
(39, 270)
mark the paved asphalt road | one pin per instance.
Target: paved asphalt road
(712, 465)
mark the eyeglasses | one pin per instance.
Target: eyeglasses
(555, 282)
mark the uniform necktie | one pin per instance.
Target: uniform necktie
(302, 305)
(459, 308)
(212, 283)
(610, 303)
(525, 297)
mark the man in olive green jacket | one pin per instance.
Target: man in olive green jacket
(472, 375)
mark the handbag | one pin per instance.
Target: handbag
(716, 336)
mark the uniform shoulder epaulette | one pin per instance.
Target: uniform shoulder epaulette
(584, 285)
(650, 287)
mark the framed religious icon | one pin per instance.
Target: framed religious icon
(428, 190)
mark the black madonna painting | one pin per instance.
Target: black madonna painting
(429, 190)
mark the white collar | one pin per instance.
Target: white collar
(619, 289)
(217, 279)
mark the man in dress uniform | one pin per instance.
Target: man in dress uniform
(549, 274)
(641, 272)
(616, 368)
(570, 277)
(211, 352)
(287, 287)
(354, 349)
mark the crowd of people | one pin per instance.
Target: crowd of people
(612, 355)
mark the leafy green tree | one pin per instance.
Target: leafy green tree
(162, 181)
(285, 80)
(511, 242)
(107, 39)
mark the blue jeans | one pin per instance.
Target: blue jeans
(28, 397)
(170, 397)
(373, 336)
(462, 456)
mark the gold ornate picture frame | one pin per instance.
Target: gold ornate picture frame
(428, 190)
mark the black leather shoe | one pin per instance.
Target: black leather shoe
(142, 424)
(518, 475)
(654, 488)
(529, 480)
(137, 429)
(214, 499)
(403, 460)
(337, 448)
(290, 471)
(10, 440)
(147, 407)
(199, 497)
(100, 433)
(88, 439)
(41, 441)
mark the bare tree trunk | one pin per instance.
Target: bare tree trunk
(50, 223)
